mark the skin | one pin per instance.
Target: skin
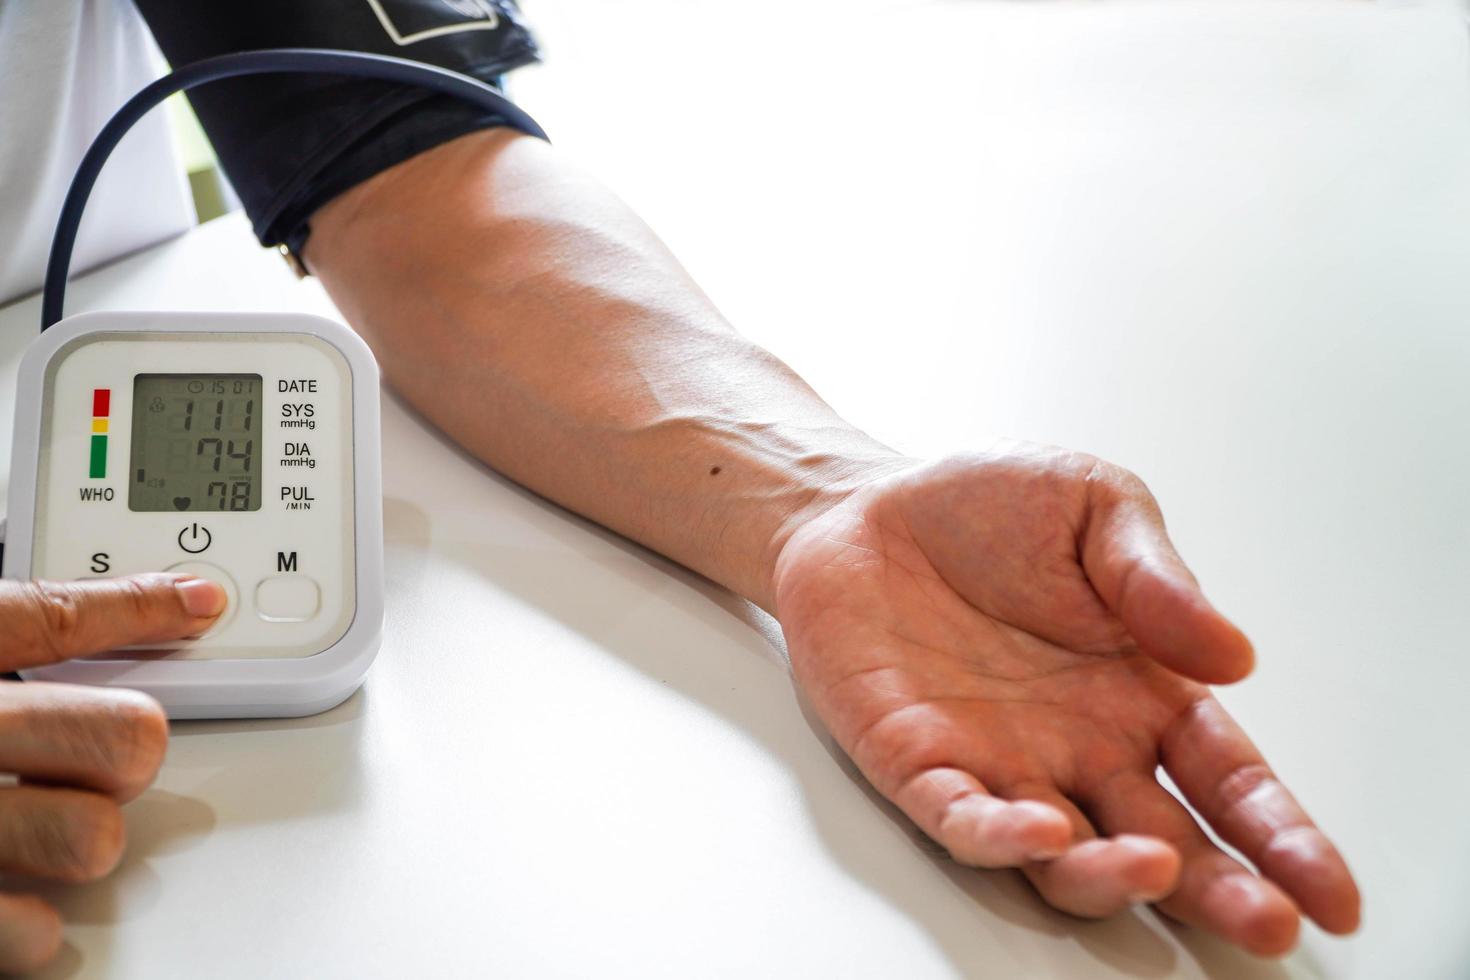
(78, 752)
(1006, 643)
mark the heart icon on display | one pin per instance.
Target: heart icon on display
(182, 503)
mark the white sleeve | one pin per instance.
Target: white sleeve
(65, 67)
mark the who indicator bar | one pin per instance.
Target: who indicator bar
(101, 409)
(98, 470)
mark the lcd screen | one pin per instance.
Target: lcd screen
(196, 442)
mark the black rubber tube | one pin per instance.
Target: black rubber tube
(314, 61)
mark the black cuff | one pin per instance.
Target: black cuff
(421, 125)
(290, 143)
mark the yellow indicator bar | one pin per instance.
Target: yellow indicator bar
(99, 425)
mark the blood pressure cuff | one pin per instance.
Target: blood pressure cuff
(290, 143)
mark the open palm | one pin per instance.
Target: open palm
(1008, 647)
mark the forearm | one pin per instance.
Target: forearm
(528, 313)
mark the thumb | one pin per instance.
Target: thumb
(1132, 564)
(46, 622)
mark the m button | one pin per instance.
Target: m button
(287, 599)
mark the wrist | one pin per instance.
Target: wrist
(826, 483)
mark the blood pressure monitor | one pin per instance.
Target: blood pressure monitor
(242, 448)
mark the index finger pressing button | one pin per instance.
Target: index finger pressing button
(214, 573)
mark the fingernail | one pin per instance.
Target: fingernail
(1140, 898)
(202, 598)
(1047, 853)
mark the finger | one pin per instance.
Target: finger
(1215, 892)
(45, 622)
(1135, 569)
(107, 739)
(30, 933)
(1099, 877)
(63, 834)
(1225, 778)
(954, 809)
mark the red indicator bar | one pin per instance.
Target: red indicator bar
(101, 402)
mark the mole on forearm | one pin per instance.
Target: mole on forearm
(714, 471)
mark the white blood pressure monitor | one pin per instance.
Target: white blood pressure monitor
(242, 448)
(237, 447)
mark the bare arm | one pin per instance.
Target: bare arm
(1005, 642)
(527, 312)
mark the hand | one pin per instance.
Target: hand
(1003, 643)
(77, 752)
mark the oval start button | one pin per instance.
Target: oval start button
(203, 569)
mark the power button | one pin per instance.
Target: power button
(195, 538)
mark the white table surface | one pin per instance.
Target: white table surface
(1225, 244)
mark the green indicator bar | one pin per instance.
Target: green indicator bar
(99, 457)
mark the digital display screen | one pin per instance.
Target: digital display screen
(196, 442)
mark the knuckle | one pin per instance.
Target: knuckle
(968, 828)
(34, 937)
(1090, 468)
(1240, 784)
(142, 740)
(1132, 484)
(1112, 477)
(81, 839)
(84, 736)
(903, 742)
(1285, 840)
(53, 616)
(136, 599)
(97, 836)
(120, 735)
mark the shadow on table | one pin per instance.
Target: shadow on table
(1133, 943)
(158, 822)
(263, 772)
